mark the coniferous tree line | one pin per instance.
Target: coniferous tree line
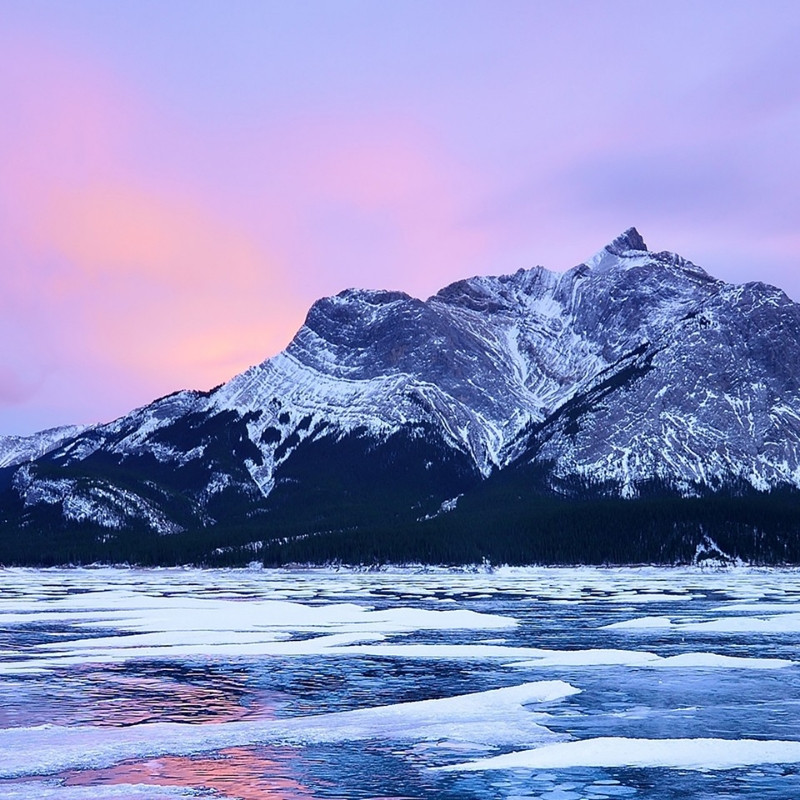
(352, 499)
(503, 522)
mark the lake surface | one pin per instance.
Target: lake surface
(561, 684)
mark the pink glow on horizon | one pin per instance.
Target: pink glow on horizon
(128, 281)
(178, 186)
(159, 287)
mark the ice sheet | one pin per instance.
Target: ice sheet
(630, 585)
(179, 627)
(491, 718)
(700, 754)
(780, 623)
(180, 619)
(45, 790)
(634, 658)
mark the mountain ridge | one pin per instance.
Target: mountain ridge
(630, 370)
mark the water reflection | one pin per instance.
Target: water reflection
(122, 695)
(240, 772)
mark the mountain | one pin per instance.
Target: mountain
(19, 449)
(517, 409)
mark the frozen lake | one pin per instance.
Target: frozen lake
(561, 684)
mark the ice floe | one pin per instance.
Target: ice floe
(160, 627)
(116, 650)
(636, 658)
(779, 623)
(699, 754)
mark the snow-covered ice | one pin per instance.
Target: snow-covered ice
(774, 623)
(698, 754)
(145, 683)
(55, 790)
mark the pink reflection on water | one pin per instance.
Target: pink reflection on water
(241, 772)
(132, 699)
(108, 698)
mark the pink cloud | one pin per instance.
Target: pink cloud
(112, 269)
(369, 200)
(142, 267)
(167, 286)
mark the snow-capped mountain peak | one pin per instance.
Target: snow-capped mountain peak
(630, 368)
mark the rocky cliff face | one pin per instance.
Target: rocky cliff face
(632, 367)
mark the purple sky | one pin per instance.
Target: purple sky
(180, 180)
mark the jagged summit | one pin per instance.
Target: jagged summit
(483, 292)
(627, 250)
(628, 240)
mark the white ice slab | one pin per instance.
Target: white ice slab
(42, 790)
(780, 623)
(635, 658)
(699, 754)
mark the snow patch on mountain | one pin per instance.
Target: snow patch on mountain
(19, 449)
(107, 505)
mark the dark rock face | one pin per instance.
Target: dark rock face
(631, 368)
(631, 239)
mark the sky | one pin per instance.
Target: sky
(180, 180)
